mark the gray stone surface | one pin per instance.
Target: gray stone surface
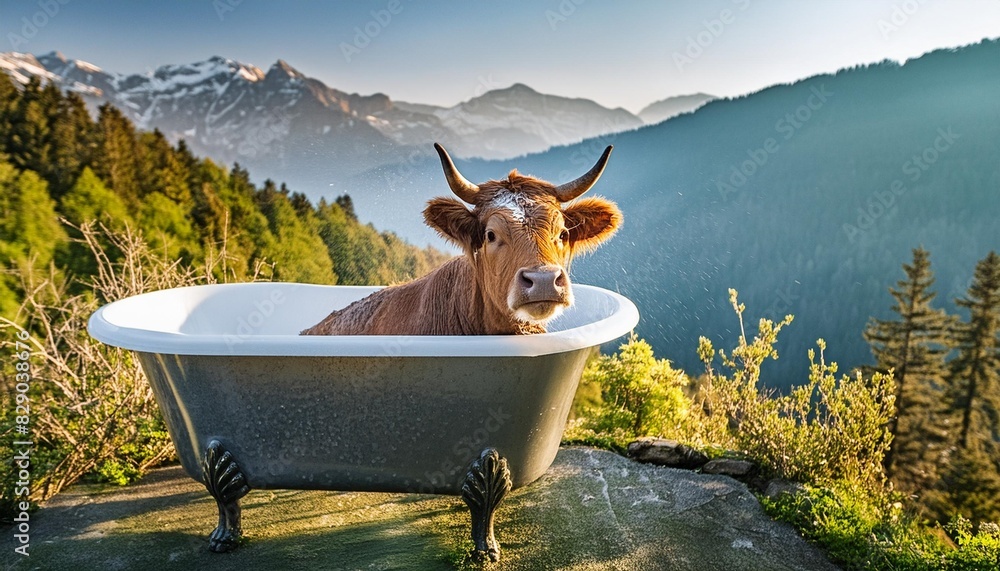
(663, 452)
(592, 510)
(729, 467)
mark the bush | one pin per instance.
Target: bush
(859, 529)
(639, 396)
(975, 551)
(92, 410)
(827, 430)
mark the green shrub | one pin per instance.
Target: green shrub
(640, 395)
(859, 529)
(975, 551)
(826, 430)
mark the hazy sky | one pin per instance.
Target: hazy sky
(617, 53)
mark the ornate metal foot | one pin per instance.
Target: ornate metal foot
(487, 482)
(227, 484)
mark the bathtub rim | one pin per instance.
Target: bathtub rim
(622, 319)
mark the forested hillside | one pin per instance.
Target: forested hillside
(57, 162)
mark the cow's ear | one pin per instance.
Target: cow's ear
(591, 221)
(454, 221)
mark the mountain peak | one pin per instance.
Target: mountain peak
(282, 66)
(664, 109)
(517, 90)
(520, 87)
(56, 55)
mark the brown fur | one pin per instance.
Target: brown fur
(469, 294)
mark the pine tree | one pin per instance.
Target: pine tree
(162, 169)
(115, 158)
(72, 135)
(344, 201)
(9, 96)
(30, 233)
(28, 142)
(976, 370)
(915, 347)
(972, 483)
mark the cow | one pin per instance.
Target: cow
(517, 241)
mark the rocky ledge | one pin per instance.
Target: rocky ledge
(592, 510)
(673, 454)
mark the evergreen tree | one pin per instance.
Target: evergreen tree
(972, 487)
(914, 346)
(972, 484)
(345, 202)
(115, 158)
(28, 142)
(162, 169)
(9, 97)
(71, 135)
(975, 380)
(209, 212)
(250, 238)
(300, 202)
(168, 227)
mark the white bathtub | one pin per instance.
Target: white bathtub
(249, 403)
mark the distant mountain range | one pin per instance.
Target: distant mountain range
(284, 125)
(518, 120)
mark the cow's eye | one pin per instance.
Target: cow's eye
(491, 236)
(564, 236)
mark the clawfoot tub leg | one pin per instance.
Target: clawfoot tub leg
(227, 484)
(486, 483)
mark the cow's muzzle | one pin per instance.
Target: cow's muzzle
(540, 293)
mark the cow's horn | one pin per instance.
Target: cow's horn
(573, 189)
(458, 183)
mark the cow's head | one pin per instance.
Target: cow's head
(520, 236)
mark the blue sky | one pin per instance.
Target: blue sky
(617, 53)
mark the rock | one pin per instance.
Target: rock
(593, 510)
(663, 452)
(738, 469)
(777, 488)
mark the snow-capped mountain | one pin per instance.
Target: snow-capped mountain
(288, 126)
(274, 121)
